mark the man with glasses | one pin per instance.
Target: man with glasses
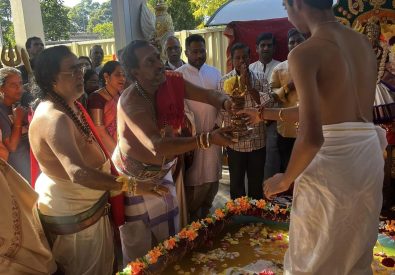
(172, 50)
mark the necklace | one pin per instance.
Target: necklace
(144, 95)
(105, 88)
(79, 120)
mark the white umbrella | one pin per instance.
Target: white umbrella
(247, 10)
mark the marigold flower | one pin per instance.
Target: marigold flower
(170, 243)
(261, 204)
(219, 214)
(196, 225)
(154, 254)
(208, 220)
(137, 267)
(283, 211)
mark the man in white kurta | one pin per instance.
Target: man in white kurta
(201, 179)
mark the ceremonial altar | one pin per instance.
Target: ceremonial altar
(246, 236)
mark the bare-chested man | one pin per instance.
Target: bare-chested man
(337, 162)
(75, 179)
(150, 112)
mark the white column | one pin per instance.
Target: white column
(27, 20)
(126, 20)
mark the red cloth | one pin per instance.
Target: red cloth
(34, 168)
(117, 205)
(170, 101)
(247, 31)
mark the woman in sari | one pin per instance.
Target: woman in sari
(13, 121)
(102, 104)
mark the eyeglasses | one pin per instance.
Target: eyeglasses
(74, 72)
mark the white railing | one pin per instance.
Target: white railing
(216, 45)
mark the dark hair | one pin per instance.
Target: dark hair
(88, 74)
(29, 41)
(95, 46)
(129, 58)
(108, 68)
(86, 58)
(318, 4)
(239, 46)
(265, 36)
(46, 69)
(293, 32)
(194, 38)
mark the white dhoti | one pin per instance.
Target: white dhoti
(337, 202)
(89, 251)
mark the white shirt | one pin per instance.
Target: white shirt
(207, 164)
(259, 67)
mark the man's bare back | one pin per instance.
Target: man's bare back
(344, 65)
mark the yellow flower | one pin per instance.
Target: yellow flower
(229, 85)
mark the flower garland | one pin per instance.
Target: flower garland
(189, 234)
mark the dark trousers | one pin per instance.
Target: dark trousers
(285, 146)
(272, 164)
(253, 164)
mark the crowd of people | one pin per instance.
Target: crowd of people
(141, 140)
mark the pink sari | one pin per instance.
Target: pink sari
(110, 116)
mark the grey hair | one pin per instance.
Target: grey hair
(6, 72)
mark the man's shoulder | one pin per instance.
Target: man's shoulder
(275, 62)
(229, 75)
(182, 69)
(210, 68)
(281, 66)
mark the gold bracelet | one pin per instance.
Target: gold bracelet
(280, 115)
(197, 141)
(208, 139)
(17, 126)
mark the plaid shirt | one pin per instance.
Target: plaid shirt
(262, 86)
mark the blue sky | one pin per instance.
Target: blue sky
(72, 3)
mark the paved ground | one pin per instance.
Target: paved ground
(223, 194)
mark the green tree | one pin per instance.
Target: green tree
(55, 20)
(103, 14)
(7, 28)
(79, 15)
(104, 30)
(181, 13)
(205, 8)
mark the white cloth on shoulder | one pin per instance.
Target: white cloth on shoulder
(337, 202)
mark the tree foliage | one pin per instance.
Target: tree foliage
(7, 28)
(104, 30)
(55, 20)
(203, 9)
(100, 15)
(181, 13)
(87, 14)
